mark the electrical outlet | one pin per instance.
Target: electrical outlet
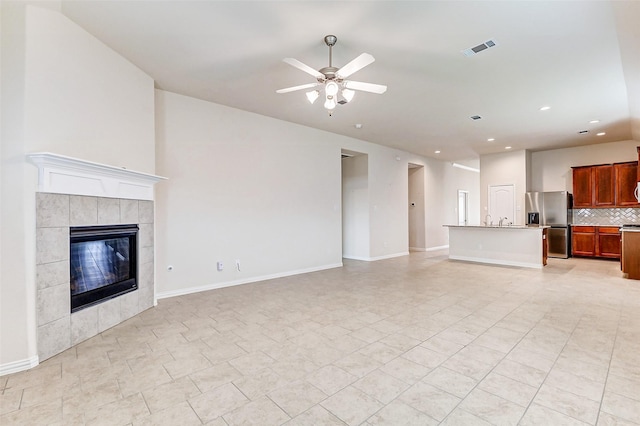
(220, 266)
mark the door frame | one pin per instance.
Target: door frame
(466, 206)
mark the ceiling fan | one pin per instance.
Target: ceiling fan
(337, 89)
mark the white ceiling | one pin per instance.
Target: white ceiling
(581, 58)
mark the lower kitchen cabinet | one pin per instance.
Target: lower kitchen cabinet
(596, 241)
(583, 241)
(609, 242)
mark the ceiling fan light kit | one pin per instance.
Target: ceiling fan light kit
(313, 95)
(337, 90)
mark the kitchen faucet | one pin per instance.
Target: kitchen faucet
(501, 220)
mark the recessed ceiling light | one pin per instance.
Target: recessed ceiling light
(594, 121)
(507, 147)
(490, 140)
(600, 134)
(545, 108)
(358, 126)
(437, 152)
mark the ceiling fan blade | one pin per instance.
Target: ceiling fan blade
(366, 87)
(294, 88)
(302, 67)
(356, 65)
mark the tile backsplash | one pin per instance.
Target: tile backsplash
(614, 216)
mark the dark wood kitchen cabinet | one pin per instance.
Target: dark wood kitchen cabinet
(604, 186)
(626, 183)
(582, 186)
(609, 242)
(583, 241)
(596, 241)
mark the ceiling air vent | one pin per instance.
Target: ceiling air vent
(479, 48)
(475, 117)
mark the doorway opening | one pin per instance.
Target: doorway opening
(355, 205)
(417, 230)
(463, 207)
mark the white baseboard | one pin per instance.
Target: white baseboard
(373, 259)
(428, 248)
(17, 366)
(365, 259)
(198, 289)
(390, 256)
(438, 248)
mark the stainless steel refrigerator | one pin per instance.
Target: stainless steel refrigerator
(553, 209)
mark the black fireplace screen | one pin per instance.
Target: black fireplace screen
(102, 263)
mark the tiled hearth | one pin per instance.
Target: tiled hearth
(58, 329)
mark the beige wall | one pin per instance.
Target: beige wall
(551, 170)
(67, 93)
(241, 186)
(441, 184)
(504, 169)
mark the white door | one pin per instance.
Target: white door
(463, 209)
(502, 203)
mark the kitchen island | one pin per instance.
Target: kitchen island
(501, 245)
(631, 251)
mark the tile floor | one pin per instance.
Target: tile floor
(417, 340)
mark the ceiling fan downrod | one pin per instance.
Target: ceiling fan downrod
(330, 40)
(330, 71)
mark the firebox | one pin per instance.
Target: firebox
(103, 263)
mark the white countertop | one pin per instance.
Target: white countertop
(596, 224)
(497, 227)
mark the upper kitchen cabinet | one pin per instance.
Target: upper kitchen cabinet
(604, 186)
(638, 149)
(626, 183)
(582, 186)
(607, 185)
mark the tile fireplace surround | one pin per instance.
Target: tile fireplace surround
(58, 329)
(76, 192)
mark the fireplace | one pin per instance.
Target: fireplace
(77, 195)
(103, 263)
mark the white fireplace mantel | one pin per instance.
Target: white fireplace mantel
(67, 175)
